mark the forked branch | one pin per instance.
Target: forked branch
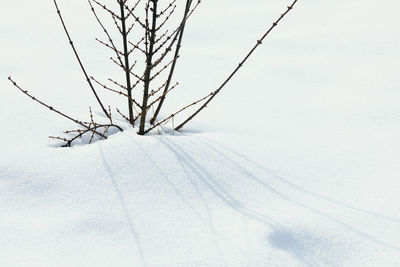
(177, 49)
(114, 48)
(81, 133)
(259, 42)
(177, 112)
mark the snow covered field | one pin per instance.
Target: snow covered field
(296, 163)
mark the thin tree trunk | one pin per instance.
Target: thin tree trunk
(126, 67)
(149, 66)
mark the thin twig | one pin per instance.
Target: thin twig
(136, 46)
(112, 48)
(166, 18)
(122, 115)
(117, 52)
(92, 129)
(115, 91)
(179, 111)
(163, 68)
(116, 83)
(137, 19)
(166, 9)
(108, 10)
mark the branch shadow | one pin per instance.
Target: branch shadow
(301, 245)
(248, 174)
(239, 206)
(189, 164)
(280, 237)
(209, 220)
(296, 187)
(122, 201)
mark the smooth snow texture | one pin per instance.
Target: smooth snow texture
(296, 163)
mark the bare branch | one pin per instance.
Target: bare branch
(106, 32)
(163, 68)
(115, 91)
(166, 19)
(108, 88)
(136, 46)
(92, 130)
(51, 108)
(140, 78)
(149, 106)
(117, 83)
(167, 8)
(161, 37)
(153, 92)
(136, 4)
(108, 10)
(79, 60)
(117, 25)
(259, 42)
(112, 48)
(137, 19)
(130, 28)
(167, 50)
(178, 46)
(122, 115)
(117, 63)
(133, 65)
(179, 111)
(158, 98)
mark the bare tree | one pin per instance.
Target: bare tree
(150, 38)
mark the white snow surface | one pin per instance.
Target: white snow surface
(296, 163)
